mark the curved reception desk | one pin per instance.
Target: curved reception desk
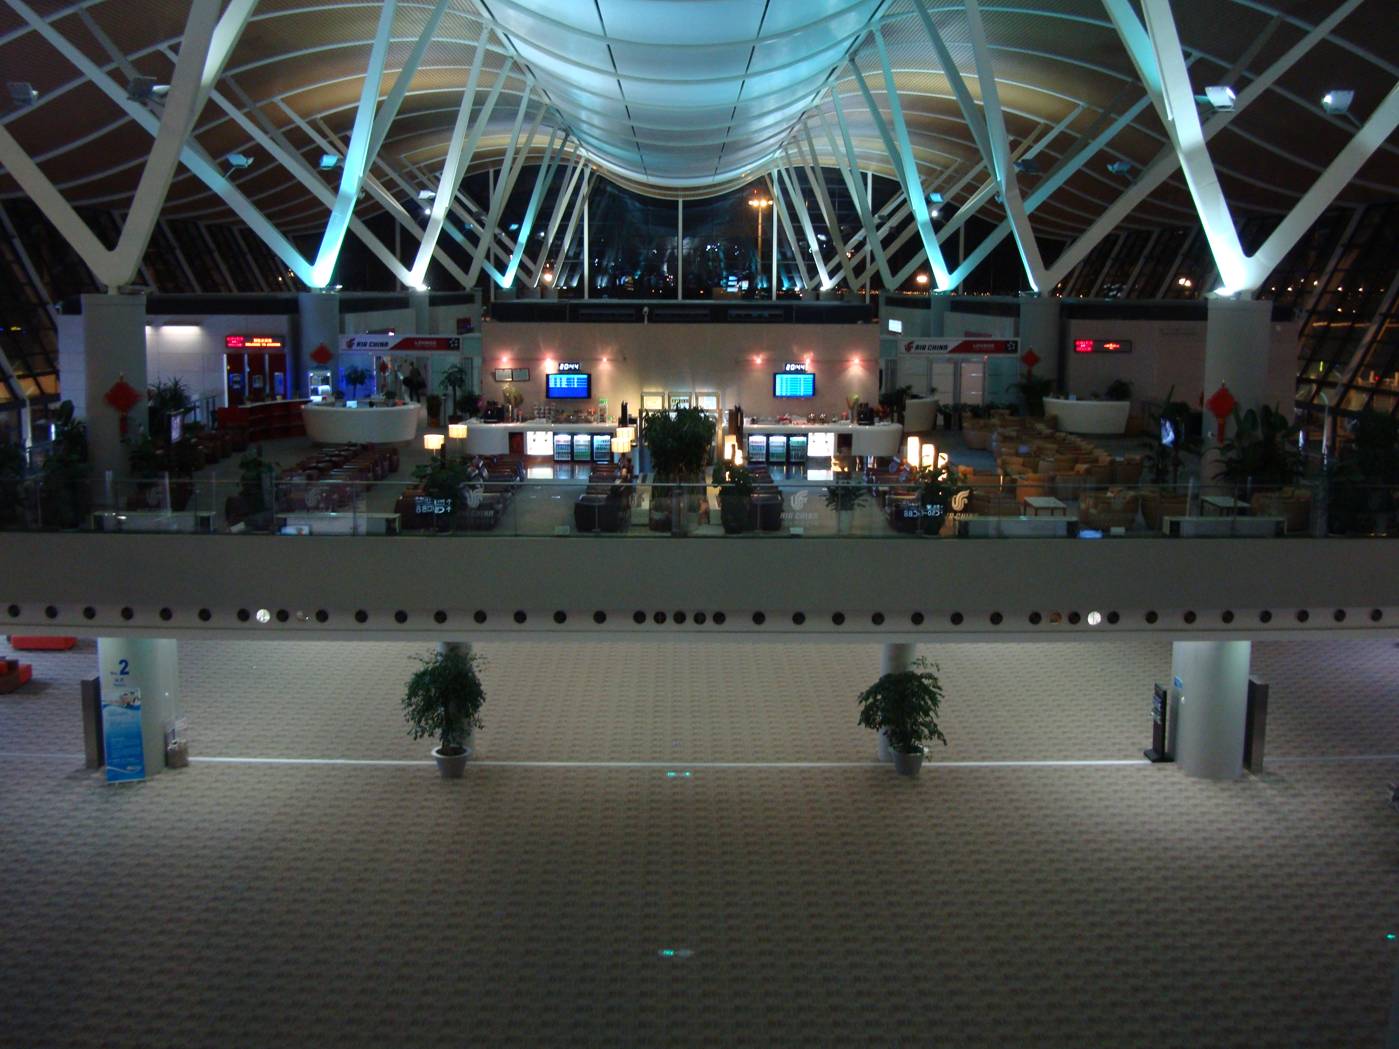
(1091, 417)
(331, 425)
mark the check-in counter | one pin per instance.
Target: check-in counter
(326, 424)
(1090, 417)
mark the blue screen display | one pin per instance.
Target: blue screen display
(568, 386)
(793, 384)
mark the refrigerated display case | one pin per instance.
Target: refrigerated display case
(777, 448)
(757, 448)
(796, 448)
(563, 448)
(602, 448)
(582, 447)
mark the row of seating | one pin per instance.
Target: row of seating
(606, 503)
(482, 499)
(333, 477)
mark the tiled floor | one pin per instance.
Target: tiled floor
(1009, 905)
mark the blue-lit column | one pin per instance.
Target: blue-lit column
(104, 343)
(152, 666)
(1040, 330)
(318, 324)
(939, 306)
(1213, 709)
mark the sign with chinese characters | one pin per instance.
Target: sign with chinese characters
(244, 343)
(402, 343)
(959, 347)
(1102, 346)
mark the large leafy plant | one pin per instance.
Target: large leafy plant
(1033, 390)
(355, 377)
(1262, 450)
(456, 380)
(906, 704)
(846, 494)
(164, 400)
(679, 442)
(444, 697)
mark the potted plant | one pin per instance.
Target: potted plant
(938, 495)
(454, 379)
(164, 401)
(905, 704)
(512, 398)
(443, 700)
(62, 484)
(355, 377)
(845, 497)
(735, 496)
(1362, 484)
(1033, 391)
(895, 401)
(12, 463)
(1261, 453)
(679, 443)
(1118, 390)
(252, 506)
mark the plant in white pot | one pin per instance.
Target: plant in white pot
(444, 700)
(845, 497)
(905, 704)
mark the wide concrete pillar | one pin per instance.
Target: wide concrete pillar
(422, 316)
(106, 342)
(318, 324)
(1213, 710)
(1238, 342)
(1040, 329)
(151, 665)
(939, 306)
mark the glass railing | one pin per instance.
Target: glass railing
(604, 505)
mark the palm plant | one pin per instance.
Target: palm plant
(456, 380)
(1262, 450)
(355, 377)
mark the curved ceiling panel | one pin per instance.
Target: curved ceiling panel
(619, 70)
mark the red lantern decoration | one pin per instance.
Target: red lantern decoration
(1221, 405)
(123, 397)
(1030, 358)
(322, 355)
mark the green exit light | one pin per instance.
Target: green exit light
(672, 774)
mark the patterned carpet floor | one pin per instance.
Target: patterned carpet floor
(376, 905)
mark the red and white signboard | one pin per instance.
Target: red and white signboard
(960, 347)
(401, 343)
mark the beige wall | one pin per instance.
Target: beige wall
(1166, 354)
(697, 357)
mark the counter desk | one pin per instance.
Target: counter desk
(821, 440)
(1090, 417)
(562, 442)
(326, 424)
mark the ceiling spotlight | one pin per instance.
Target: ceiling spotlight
(22, 93)
(922, 279)
(329, 162)
(1120, 167)
(1220, 97)
(1337, 102)
(144, 89)
(426, 194)
(935, 213)
(1028, 166)
(238, 161)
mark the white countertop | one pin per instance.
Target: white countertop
(1091, 417)
(326, 424)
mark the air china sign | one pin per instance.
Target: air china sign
(402, 343)
(959, 347)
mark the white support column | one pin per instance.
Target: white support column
(1238, 337)
(106, 342)
(318, 324)
(587, 243)
(895, 659)
(153, 666)
(422, 317)
(1039, 330)
(1213, 708)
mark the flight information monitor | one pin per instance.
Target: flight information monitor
(793, 384)
(568, 386)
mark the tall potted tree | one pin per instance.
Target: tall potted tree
(679, 443)
(845, 497)
(455, 380)
(443, 700)
(355, 377)
(905, 704)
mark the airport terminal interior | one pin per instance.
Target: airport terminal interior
(699, 522)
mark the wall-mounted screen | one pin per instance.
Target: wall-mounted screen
(575, 386)
(793, 384)
(1102, 346)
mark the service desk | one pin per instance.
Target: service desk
(1092, 417)
(880, 439)
(263, 420)
(326, 424)
(539, 437)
